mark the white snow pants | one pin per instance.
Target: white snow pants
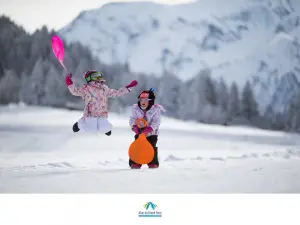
(94, 125)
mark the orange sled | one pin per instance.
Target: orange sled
(141, 151)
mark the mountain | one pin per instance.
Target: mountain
(254, 40)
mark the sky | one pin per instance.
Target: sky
(55, 14)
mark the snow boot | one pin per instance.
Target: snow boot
(108, 133)
(152, 166)
(135, 166)
(75, 127)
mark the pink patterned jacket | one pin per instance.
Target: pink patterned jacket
(152, 116)
(95, 95)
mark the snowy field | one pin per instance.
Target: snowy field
(39, 153)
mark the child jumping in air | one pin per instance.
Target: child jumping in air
(95, 94)
(146, 109)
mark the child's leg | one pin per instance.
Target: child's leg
(94, 125)
(134, 165)
(103, 125)
(153, 141)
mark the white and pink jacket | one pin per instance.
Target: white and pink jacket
(152, 116)
(95, 95)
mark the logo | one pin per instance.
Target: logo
(150, 210)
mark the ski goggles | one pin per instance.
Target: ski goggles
(96, 76)
(144, 97)
(144, 100)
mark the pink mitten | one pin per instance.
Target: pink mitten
(69, 79)
(135, 129)
(132, 84)
(147, 130)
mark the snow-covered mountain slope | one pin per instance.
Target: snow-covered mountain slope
(237, 39)
(274, 71)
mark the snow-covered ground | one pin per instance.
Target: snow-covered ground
(39, 153)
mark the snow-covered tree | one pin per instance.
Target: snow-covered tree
(222, 95)
(9, 87)
(169, 93)
(249, 105)
(294, 114)
(55, 90)
(33, 86)
(233, 101)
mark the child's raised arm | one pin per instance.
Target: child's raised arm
(113, 93)
(72, 87)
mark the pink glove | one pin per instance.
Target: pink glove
(135, 129)
(69, 79)
(132, 84)
(147, 129)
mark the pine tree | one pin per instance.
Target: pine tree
(249, 105)
(234, 102)
(294, 114)
(169, 93)
(9, 87)
(223, 96)
(210, 90)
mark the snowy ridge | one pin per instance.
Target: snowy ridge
(239, 40)
(175, 37)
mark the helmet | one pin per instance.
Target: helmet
(93, 75)
(148, 94)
